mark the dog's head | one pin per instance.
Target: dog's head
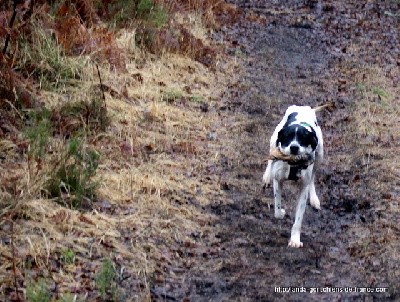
(297, 137)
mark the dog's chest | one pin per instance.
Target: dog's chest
(294, 172)
(283, 171)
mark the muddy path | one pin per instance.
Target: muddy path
(282, 62)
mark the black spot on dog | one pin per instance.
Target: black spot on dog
(286, 135)
(291, 118)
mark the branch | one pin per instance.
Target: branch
(10, 25)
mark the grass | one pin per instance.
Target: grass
(379, 91)
(171, 95)
(375, 130)
(68, 175)
(39, 133)
(106, 281)
(38, 292)
(68, 256)
(72, 175)
(147, 11)
(143, 163)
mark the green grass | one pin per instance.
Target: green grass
(38, 292)
(38, 133)
(379, 91)
(172, 95)
(196, 99)
(68, 256)
(69, 175)
(125, 11)
(73, 174)
(106, 281)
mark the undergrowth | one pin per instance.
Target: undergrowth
(145, 11)
(71, 178)
(40, 292)
(68, 175)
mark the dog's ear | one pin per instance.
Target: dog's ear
(283, 137)
(314, 140)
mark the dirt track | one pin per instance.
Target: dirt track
(283, 63)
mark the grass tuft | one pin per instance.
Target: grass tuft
(38, 133)
(38, 292)
(106, 281)
(72, 177)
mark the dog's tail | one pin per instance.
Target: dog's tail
(330, 106)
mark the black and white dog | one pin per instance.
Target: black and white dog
(297, 134)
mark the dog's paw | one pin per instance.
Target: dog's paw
(295, 243)
(315, 203)
(280, 214)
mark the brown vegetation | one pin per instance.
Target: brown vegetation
(101, 141)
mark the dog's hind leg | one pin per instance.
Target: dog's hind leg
(279, 212)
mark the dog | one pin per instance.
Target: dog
(298, 134)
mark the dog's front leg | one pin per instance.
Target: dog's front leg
(301, 206)
(267, 174)
(314, 200)
(279, 212)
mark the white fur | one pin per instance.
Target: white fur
(278, 172)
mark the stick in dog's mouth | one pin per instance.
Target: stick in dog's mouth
(278, 154)
(329, 106)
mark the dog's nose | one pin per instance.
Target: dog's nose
(294, 149)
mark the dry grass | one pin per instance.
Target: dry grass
(376, 130)
(152, 189)
(377, 120)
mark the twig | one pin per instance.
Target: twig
(103, 108)
(13, 262)
(330, 106)
(10, 25)
(102, 87)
